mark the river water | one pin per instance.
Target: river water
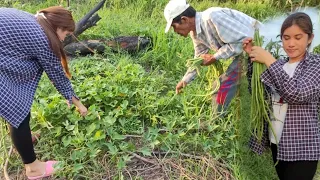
(271, 28)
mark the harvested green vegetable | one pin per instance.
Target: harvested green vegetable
(213, 73)
(259, 106)
(194, 64)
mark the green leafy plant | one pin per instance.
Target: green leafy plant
(316, 49)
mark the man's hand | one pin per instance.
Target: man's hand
(247, 45)
(208, 59)
(179, 86)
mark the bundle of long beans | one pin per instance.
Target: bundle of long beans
(194, 64)
(213, 72)
(259, 105)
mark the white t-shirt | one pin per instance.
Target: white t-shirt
(280, 107)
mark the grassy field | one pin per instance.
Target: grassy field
(137, 127)
(252, 166)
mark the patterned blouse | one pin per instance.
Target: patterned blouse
(24, 55)
(300, 138)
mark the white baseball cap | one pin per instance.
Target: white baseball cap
(173, 9)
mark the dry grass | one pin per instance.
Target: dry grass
(159, 166)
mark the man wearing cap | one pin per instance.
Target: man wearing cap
(218, 29)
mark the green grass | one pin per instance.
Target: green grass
(134, 94)
(252, 166)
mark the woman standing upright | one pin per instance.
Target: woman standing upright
(293, 84)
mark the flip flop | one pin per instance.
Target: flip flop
(49, 171)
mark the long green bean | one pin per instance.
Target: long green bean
(259, 106)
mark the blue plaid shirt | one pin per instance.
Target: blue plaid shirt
(24, 55)
(222, 30)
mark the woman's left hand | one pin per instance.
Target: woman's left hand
(258, 54)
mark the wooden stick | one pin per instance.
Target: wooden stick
(132, 136)
(178, 153)
(86, 22)
(5, 168)
(143, 159)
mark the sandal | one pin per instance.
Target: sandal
(49, 171)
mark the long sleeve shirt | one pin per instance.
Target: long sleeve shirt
(222, 30)
(24, 55)
(300, 138)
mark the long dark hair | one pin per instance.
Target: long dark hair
(53, 18)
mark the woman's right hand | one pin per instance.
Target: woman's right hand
(82, 110)
(80, 107)
(247, 45)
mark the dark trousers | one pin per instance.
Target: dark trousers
(293, 170)
(22, 140)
